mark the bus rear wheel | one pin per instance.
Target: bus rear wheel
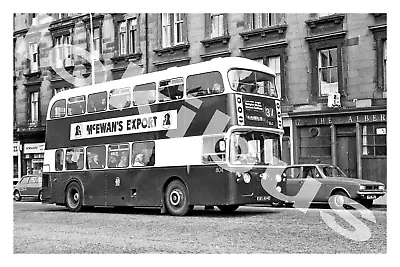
(228, 208)
(74, 197)
(176, 199)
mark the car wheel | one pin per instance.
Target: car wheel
(367, 202)
(74, 197)
(228, 208)
(40, 196)
(17, 195)
(338, 199)
(177, 198)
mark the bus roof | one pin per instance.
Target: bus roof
(216, 64)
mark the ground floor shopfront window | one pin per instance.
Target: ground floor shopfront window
(374, 139)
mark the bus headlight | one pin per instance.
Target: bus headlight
(381, 187)
(246, 178)
(278, 178)
(362, 187)
(279, 189)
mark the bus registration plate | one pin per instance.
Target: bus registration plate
(263, 198)
(371, 197)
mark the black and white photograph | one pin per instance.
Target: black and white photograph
(200, 133)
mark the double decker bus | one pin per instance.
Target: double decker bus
(197, 135)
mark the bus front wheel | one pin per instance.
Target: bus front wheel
(176, 199)
(74, 197)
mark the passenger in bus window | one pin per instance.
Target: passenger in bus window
(123, 162)
(94, 163)
(70, 164)
(113, 161)
(139, 160)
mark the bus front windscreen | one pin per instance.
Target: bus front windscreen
(253, 82)
(255, 148)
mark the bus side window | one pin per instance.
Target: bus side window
(171, 89)
(74, 158)
(96, 157)
(59, 160)
(58, 109)
(213, 149)
(144, 94)
(143, 154)
(76, 105)
(120, 98)
(97, 102)
(118, 155)
(204, 84)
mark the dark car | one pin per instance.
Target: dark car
(333, 183)
(28, 186)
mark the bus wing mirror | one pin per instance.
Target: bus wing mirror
(221, 145)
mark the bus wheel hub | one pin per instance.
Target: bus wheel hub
(76, 197)
(175, 197)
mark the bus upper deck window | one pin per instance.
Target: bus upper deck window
(204, 84)
(171, 89)
(76, 105)
(120, 98)
(253, 82)
(58, 109)
(97, 102)
(144, 94)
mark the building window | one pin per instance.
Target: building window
(63, 51)
(178, 28)
(34, 107)
(132, 35)
(34, 57)
(96, 43)
(315, 141)
(328, 71)
(275, 64)
(122, 38)
(374, 139)
(127, 36)
(256, 21)
(166, 29)
(262, 20)
(217, 25)
(384, 66)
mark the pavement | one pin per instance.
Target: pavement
(381, 201)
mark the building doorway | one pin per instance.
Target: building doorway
(346, 147)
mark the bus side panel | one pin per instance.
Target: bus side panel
(207, 185)
(94, 187)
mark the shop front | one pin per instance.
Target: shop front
(16, 161)
(33, 157)
(354, 140)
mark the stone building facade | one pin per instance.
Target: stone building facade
(331, 71)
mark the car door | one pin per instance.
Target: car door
(294, 180)
(313, 172)
(32, 186)
(22, 185)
